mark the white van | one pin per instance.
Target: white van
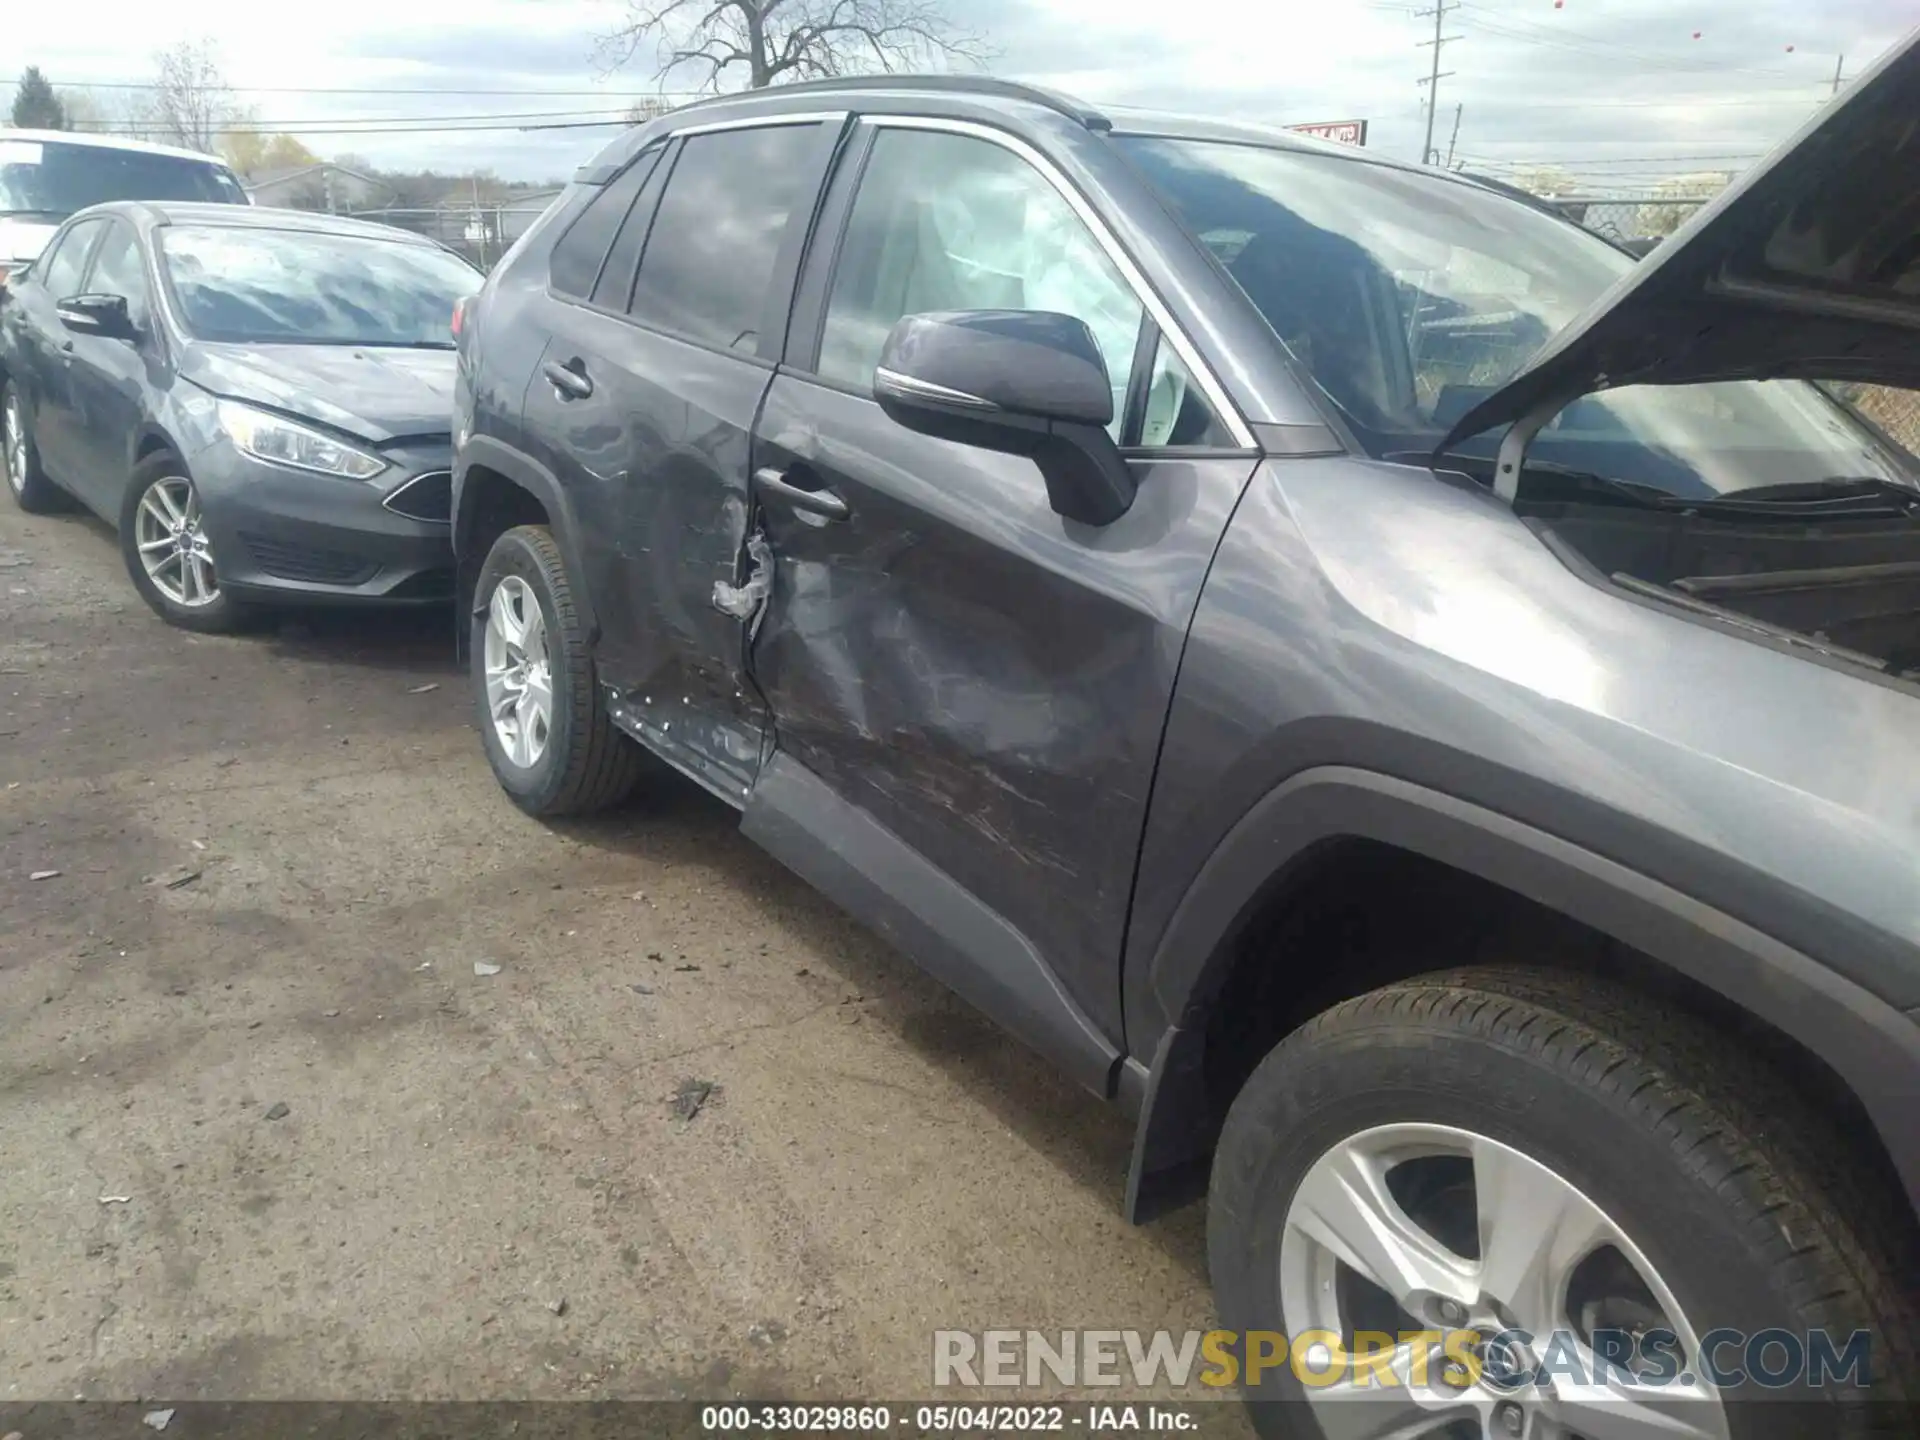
(46, 175)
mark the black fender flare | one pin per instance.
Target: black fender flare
(543, 485)
(1873, 1046)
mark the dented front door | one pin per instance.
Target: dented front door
(985, 680)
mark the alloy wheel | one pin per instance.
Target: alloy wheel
(16, 442)
(1405, 1228)
(173, 545)
(519, 673)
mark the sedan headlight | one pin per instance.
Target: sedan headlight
(283, 442)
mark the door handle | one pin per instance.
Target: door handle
(568, 382)
(772, 483)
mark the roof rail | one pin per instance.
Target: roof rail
(1053, 100)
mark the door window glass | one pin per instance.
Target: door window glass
(1176, 413)
(715, 243)
(951, 222)
(576, 258)
(117, 271)
(61, 275)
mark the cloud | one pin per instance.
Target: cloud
(1598, 85)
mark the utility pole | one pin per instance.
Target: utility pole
(1441, 9)
(1838, 66)
(1456, 133)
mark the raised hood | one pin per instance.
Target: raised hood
(376, 393)
(1808, 267)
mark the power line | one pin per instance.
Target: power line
(1514, 27)
(250, 125)
(599, 93)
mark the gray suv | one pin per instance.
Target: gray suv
(1415, 707)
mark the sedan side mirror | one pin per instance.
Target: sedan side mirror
(1021, 382)
(104, 315)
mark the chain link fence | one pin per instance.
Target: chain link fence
(482, 233)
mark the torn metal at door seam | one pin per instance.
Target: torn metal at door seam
(747, 602)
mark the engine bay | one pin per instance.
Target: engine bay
(1846, 583)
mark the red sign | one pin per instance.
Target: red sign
(1345, 132)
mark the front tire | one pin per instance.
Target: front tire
(540, 713)
(32, 491)
(1501, 1149)
(168, 555)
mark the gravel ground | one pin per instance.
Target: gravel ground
(266, 1133)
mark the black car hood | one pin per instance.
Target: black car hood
(1808, 267)
(375, 393)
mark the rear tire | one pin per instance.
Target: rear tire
(558, 752)
(32, 491)
(1751, 1210)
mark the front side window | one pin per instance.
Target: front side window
(711, 255)
(300, 287)
(61, 274)
(952, 222)
(1409, 298)
(117, 271)
(52, 180)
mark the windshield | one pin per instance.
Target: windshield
(300, 287)
(51, 180)
(1409, 297)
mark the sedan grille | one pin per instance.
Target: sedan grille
(425, 497)
(306, 562)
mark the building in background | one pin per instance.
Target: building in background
(324, 186)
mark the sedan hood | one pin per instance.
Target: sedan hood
(1808, 267)
(375, 393)
(22, 239)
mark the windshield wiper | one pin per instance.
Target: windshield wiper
(1834, 487)
(346, 344)
(1842, 496)
(1559, 478)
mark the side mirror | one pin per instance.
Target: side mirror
(104, 315)
(1021, 382)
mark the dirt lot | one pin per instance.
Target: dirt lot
(280, 858)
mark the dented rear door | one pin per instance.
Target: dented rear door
(648, 392)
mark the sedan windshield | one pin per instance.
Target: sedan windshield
(1410, 297)
(47, 179)
(299, 287)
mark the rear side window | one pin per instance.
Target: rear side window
(616, 276)
(716, 241)
(575, 263)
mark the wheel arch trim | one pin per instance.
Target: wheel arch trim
(543, 485)
(1873, 1047)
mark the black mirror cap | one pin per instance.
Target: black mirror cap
(1023, 362)
(1019, 382)
(96, 315)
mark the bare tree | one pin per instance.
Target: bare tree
(775, 40)
(191, 104)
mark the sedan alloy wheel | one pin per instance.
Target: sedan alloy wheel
(173, 545)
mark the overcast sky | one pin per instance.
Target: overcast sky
(1601, 86)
